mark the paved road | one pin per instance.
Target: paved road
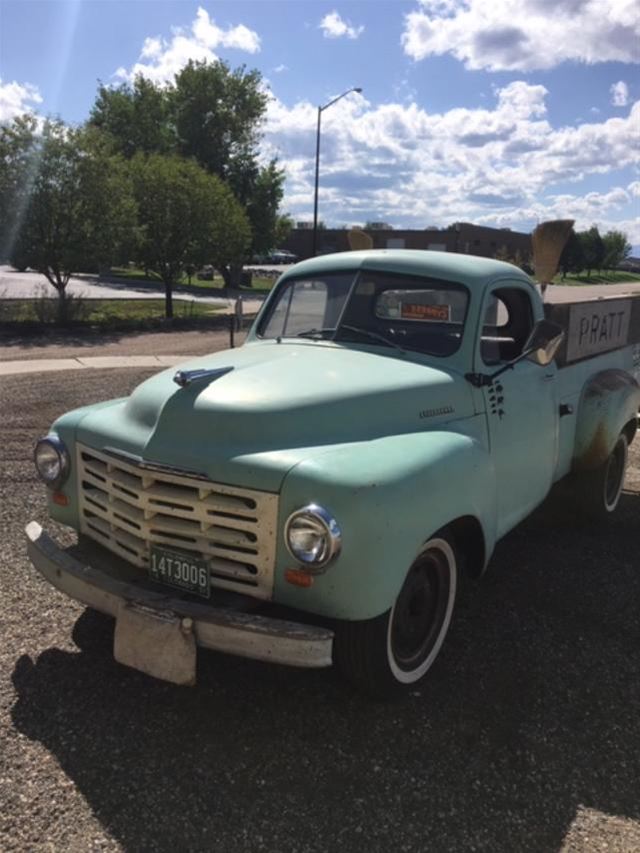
(526, 736)
(30, 285)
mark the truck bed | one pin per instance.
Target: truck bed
(597, 326)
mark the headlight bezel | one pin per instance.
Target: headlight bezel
(320, 516)
(54, 442)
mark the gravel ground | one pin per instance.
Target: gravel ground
(526, 736)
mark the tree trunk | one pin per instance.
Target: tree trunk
(59, 281)
(232, 275)
(225, 272)
(168, 300)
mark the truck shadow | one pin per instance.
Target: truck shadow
(529, 714)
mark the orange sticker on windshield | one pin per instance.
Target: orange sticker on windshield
(416, 311)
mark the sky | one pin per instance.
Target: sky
(497, 112)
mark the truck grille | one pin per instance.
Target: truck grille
(128, 507)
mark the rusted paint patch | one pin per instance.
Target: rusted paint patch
(610, 380)
(610, 400)
(597, 451)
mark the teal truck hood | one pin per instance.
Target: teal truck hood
(281, 403)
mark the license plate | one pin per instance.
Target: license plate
(180, 570)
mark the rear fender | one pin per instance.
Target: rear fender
(609, 401)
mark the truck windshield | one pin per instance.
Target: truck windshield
(378, 308)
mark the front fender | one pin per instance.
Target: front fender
(609, 400)
(388, 496)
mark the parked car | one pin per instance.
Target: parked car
(391, 416)
(275, 256)
(282, 256)
(206, 273)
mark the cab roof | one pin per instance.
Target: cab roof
(450, 266)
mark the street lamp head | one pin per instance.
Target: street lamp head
(339, 98)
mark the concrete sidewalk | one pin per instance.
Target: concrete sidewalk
(49, 365)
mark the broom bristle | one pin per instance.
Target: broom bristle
(359, 240)
(548, 240)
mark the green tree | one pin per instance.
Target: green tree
(217, 114)
(213, 115)
(186, 216)
(16, 175)
(136, 117)
(572, 257)
(593, 249)
(617, 248)
(259, 189)
(75, 209)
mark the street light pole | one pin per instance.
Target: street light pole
(317, 181)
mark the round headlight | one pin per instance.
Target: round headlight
(313, 536)
(52, 460)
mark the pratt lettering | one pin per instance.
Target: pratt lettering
(595, 328)
(584, 328)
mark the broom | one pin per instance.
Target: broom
(548, 240)
(359, 240)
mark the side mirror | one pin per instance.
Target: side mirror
(540, 348)
(543, 342)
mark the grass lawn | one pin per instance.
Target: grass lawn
(604, 277)
(102, 311)
(260, 284)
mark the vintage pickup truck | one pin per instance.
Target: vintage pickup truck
(311, 497)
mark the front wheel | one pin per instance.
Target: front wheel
(392, 652)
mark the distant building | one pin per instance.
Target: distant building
(378, 226)
(462, 237)
(630, 265)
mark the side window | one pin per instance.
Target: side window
(506, 325)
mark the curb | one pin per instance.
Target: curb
(49, 365)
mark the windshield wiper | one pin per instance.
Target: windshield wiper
(316, 334)
(373, 335)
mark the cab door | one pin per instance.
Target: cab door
(520, 406)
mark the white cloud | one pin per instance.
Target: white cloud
(161, 59)
(334, 27)
(619, 94)
(523, 35)
(503, 164)
(209, 34)
(17, 98)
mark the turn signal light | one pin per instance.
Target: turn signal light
(298, 578)
(60, 499)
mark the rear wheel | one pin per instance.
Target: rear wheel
(392, 652)
(600, 490)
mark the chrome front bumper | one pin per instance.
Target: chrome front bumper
(237, 633)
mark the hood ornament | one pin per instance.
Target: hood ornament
(186, 377)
